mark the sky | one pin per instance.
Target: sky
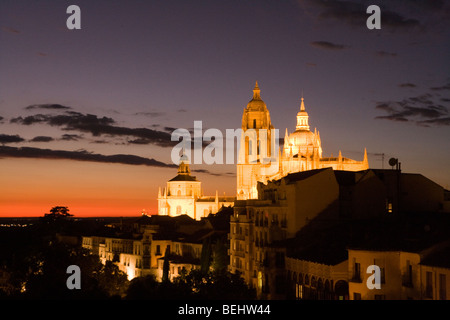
(86, 115)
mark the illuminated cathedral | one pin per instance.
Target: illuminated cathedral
(184, 195)
(302, 150)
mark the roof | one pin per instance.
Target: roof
(213, 199)
(184, 177)
(298, 176)
(439, 258)
(328, 241)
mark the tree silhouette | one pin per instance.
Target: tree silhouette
(166, 265)
(58, 212)
(220, 256)
(205, 259)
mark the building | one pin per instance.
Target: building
(302, 149)
(139, 246)
(306, 220)
(183, 195)
(405, 275)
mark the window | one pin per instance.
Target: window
(178, 210)
(380, 297)
(429, 285)
(407, 278)
(442, 287)
(356, 296)
(254, 123)
(356, 271)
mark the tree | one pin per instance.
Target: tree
(113, 281)
(166, 265)
(58, 212)
(205, 259)
(220, 256)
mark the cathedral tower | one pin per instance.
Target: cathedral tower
(257, 151)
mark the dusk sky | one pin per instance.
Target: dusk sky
(86, 115)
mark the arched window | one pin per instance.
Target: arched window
(179, 193)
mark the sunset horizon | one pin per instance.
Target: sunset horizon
(86, 115)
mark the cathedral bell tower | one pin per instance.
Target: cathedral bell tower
(255, 147)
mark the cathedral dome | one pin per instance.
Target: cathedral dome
(301, 138)
(256, 104)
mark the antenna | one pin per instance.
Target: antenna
(393, 162)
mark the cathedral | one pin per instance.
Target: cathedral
(184, 195)
(302, 150)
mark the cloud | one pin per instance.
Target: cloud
(47, 106)
(354, 13)
(150, 114)
(71, 137)
(225, 174)
(10, 30)
(327, 45)
(421, 110)
(407, 85)
(385, 54)
(444, 87)
(42, 139)
(440, 122)
(6, 138)
(80, 155)
(97, 126)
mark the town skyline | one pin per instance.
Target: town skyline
(72, 100)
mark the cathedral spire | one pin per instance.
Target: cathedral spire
(302, 105)
(256, 92)
(302, 118)
(365, 160)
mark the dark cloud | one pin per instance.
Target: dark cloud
(385, 54)
(169, 129)
(327, 45)
(6, 138)
(1, 118)
(42, 139)
(407, 85)
(422, 110)
(71, 137)
(97, 126)
(354, 13)
(150, 114)
(80, 155)
(440, 122)
(47, 106)
(225, 174)
(444, 87)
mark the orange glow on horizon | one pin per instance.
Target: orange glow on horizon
(30, 188)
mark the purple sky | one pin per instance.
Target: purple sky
(163, 64)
